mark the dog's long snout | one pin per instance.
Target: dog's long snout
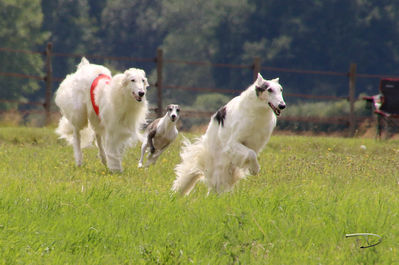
(141, 94)
(281, 106)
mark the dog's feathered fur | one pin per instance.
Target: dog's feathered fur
(236, 133)
(122, 108)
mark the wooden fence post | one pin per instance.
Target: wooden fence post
(49, 80)
(256, 67)
(158, 84)
(352, 99)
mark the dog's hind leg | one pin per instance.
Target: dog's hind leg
(220, 178)
(152, 158)
(223, 178)
(77, 151)
(101, 152)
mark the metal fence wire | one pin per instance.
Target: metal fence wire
(159, 63)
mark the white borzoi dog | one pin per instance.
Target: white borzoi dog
(236, 134)
(159, 134)
(113, 108)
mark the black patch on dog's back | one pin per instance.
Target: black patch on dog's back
(220, 115)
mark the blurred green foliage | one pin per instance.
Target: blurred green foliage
(318, 35)
(20, 28)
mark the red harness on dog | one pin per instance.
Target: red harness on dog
(93, 87)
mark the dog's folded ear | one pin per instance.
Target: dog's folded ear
(142, 72)
(126, 77)
(146, 82)
(277, 80)
(259, 79)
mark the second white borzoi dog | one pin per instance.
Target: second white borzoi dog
(159, 134)
(236, 134)
(113, 107)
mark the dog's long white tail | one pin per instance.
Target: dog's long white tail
(188, 172)
(65, 131)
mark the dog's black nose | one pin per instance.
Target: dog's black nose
(281, 106)
(141, 93)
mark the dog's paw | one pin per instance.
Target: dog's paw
(254, 169)
(115, 168)
(149, 163)
(103, 160)
(252, 162)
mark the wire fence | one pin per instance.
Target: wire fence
(159, 63)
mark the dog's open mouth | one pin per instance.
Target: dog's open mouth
(276, 110)
(138, 98)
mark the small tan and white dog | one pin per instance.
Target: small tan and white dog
(110, 109)
(159, 134)
(236, 134)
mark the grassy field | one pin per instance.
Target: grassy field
(311, 191)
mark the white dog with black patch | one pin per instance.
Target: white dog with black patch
(236, 134)
(159, 134)
(110, 109)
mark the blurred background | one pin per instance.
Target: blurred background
(328, 54)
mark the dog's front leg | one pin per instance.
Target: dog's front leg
(242, 156)
(113, 154)
(143, 149)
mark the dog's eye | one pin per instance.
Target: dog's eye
(270, 90)
(178, 110)
(133, 80)
(170, 109)
(261, 89)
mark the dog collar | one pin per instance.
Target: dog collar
(93, 87)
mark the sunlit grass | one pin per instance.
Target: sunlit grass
(311, 191)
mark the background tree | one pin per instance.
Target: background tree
(131, 29)
(202, 31)
(72, 30)
(325, 35)
(20, 28)
(319, 35)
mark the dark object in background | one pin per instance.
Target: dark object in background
(386, 106)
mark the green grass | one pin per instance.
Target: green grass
(311, 191)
